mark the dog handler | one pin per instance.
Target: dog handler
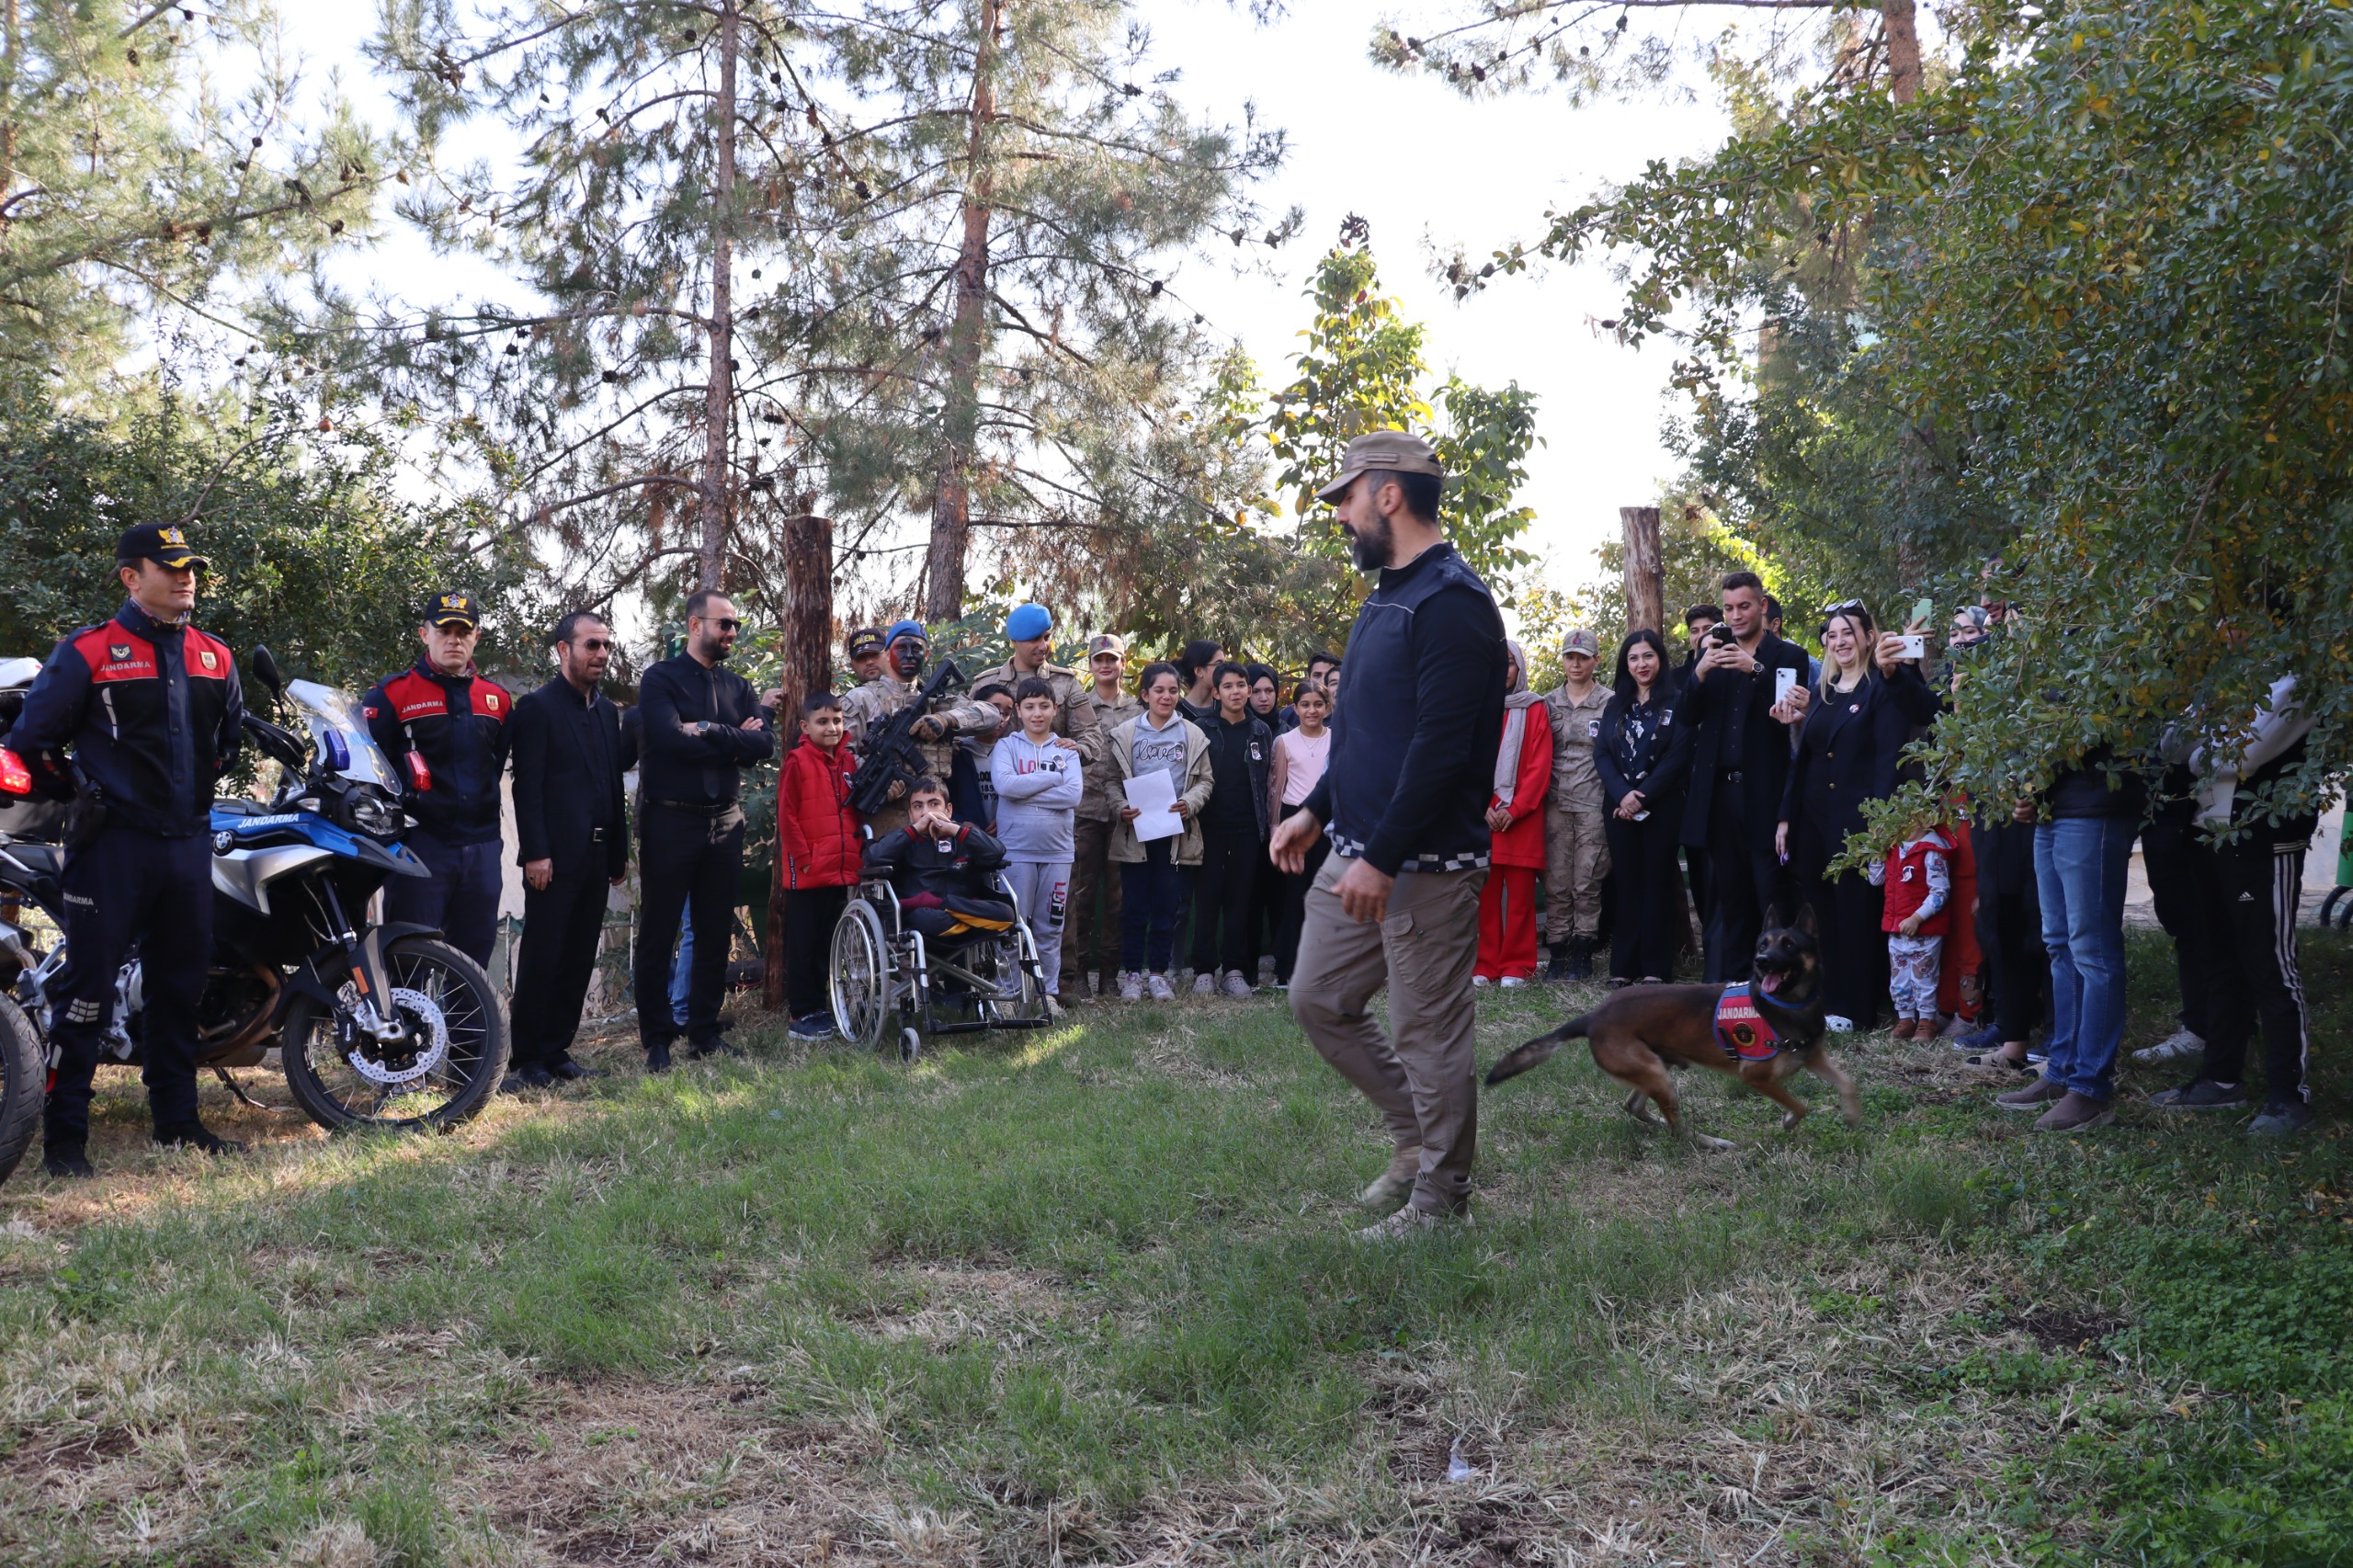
(1405, 796)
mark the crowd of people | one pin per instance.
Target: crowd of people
(1383, 820)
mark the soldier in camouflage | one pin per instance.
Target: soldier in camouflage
(1030, 630)
(953, 714)
(1576, 853)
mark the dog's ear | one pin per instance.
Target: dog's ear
(1773, 919)
(1805, 921)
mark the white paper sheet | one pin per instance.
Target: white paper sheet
(1154, 795)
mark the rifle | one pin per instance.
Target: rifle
(890, 757)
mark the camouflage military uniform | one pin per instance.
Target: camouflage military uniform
(1091, 868)
(868, 707)
(1073, 712)
(1577, 855)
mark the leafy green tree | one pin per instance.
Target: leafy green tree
(1364, 369)
(133, 189)
(313, 552)
(2111, 266)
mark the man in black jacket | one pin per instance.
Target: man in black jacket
(1405, 793)
(1744, 704)
(153, 710)
(699, 725)
(444, 725)
(571, 829)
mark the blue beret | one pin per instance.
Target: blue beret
(1028, 621)
(905, 628)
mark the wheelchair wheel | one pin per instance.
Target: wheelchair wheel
(866, 977)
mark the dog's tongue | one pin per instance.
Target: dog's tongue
(1771, 983)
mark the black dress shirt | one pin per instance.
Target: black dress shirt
(692, 743)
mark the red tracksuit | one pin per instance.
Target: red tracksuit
(1507, 902)
(818, 851)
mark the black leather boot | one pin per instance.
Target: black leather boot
(1581, 957)
(66, 1159)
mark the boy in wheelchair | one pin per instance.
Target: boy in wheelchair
(941, 870)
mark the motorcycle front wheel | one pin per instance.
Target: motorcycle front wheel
(24, 1084)
(444, 1067)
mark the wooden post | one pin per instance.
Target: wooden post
(808, 667)
(1645, 577)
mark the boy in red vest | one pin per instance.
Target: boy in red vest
(819, 837)
(1917, 875)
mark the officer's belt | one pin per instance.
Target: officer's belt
(696, 808)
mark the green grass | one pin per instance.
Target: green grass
(1090, 1292)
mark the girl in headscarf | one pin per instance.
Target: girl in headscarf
(1516, 818)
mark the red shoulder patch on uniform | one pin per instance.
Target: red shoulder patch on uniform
(414, 697)
(114, 654)
(206, 656)
(490, 701)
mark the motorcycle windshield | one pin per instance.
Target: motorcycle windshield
(329, 711)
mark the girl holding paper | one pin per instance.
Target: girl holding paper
(1163, 782)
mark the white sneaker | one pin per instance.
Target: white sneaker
(1205, 984)
(1479, 981)
(1131, 988)
(1160, 988)
(1235, 986)
(1511, 981)
(1837, 1025)
(2179, 1044)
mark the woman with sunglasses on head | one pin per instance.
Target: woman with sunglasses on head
(1847, 754)
(1643, 758)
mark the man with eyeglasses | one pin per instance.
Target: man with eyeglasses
(571, 828)
(699, 725)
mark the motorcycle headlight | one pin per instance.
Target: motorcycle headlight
(375, 815)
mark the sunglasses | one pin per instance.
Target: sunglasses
(1847, 607)
(594, 644)
(726, 624)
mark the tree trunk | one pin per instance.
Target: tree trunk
(951, 508)
(808, 667)
(1903, 32)
(1645, 577)
(718, 385)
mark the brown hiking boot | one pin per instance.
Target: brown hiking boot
(1394, 1185)
(2076, 1113)
(2038, 1096)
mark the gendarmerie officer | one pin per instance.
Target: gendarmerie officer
(445, 726)
(153, 710)
(699, 725)
(570, 830)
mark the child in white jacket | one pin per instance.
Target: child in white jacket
(1038, 778)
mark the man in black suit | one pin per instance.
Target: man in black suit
(572, 843)
(1740, 763)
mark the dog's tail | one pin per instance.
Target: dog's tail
(1537, 1052)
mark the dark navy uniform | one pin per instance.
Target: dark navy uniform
(154, 714)
(447, 736)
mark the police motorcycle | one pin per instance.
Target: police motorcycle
(384, 1026)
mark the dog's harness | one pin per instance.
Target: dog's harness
(1746, 1034)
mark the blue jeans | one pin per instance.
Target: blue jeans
(2079, 865)
(682, 975)
(1152, 900)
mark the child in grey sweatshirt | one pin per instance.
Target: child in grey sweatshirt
(1038, 779)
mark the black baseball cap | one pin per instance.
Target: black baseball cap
(164, 543)
(864, 641)
(453, 609)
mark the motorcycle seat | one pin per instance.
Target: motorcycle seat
(41, 859)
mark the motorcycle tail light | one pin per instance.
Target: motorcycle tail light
(418, 774)
(16, 778)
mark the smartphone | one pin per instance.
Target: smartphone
(1916, 646)
(1922, 612)
(1720, 635)
(1783, 679)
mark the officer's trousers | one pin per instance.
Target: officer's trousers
(460, 899)
(122, 887)
(689, 863)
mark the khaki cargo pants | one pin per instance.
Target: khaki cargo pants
(1424, 1079)
(1576, 857)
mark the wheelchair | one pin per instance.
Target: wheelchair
(893, 984)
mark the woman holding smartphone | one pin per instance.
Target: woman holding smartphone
(1846, 755)
(1643, 758)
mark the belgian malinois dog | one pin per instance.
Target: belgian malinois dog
(1642, 1030)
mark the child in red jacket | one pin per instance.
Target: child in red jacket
(819, 848)
(1917, 875)
(1516, 819)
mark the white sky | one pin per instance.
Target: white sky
(1428, 172)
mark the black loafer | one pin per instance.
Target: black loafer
(518, 1079)
(571, 1071)
(657, 1057)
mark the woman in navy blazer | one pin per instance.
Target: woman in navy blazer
(1846, 755)
(1645, 759)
